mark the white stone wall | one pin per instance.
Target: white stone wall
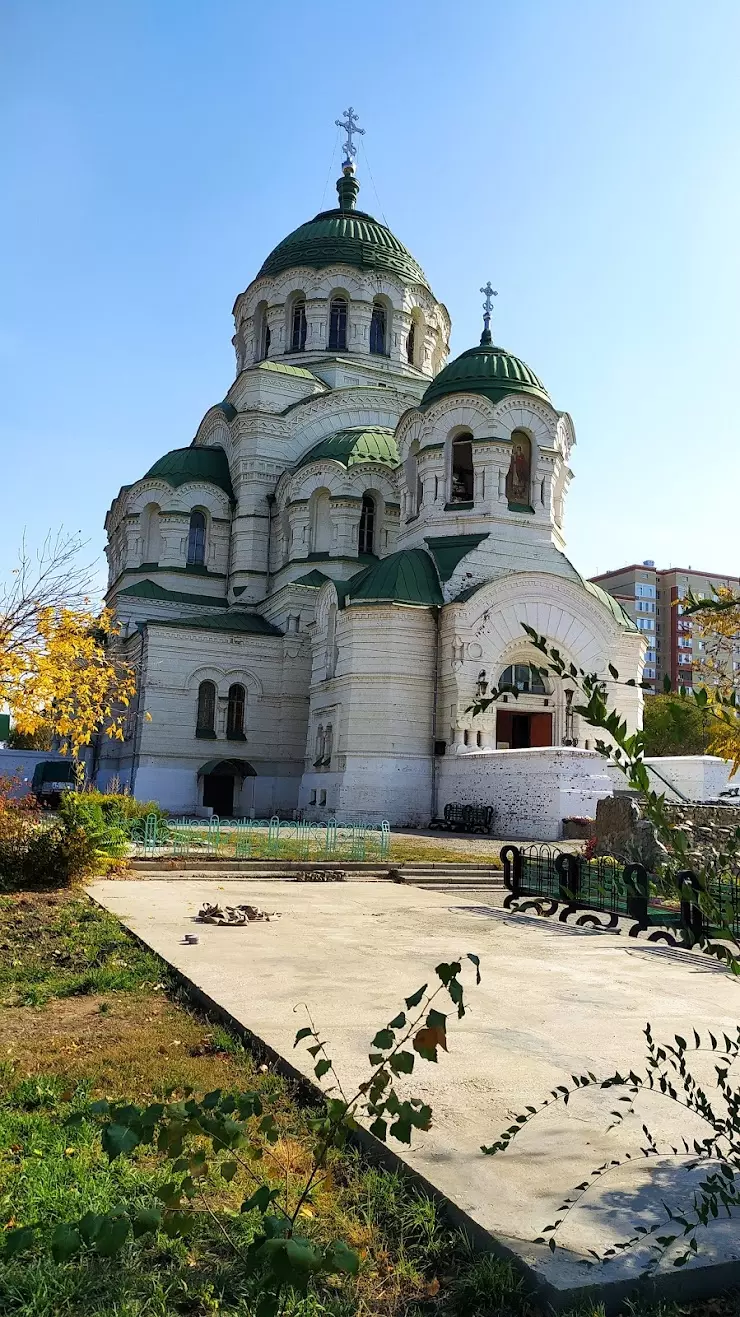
(531, 791)
(373, 683)
(275, 673)
(699, 777)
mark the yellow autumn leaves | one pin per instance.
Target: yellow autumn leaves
(63, 675)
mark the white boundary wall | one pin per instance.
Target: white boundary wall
(531, 791)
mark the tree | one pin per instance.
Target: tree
(61, 676)
(674, 726)
(719, 619)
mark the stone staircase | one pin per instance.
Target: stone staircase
(433, 877)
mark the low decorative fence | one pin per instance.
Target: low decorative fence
(253, 839)
(602, 892)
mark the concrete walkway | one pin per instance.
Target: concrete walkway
(554, 1001)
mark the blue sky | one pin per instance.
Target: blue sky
(582, 155)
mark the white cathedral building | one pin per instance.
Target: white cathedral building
(316, 587)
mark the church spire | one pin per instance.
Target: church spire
(347, 185)
(486, 337)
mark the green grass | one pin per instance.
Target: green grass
(62, 948)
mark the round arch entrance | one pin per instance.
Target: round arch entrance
(223, 781)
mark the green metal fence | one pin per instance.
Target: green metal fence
(254, 839)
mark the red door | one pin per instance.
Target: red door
(540, 729)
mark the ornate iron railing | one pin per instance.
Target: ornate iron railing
(602, 893)
(253, 839)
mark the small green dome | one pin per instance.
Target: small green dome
(182, 465)
(407, 577)
(360, 443)
(489, 370)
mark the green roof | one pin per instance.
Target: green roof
(196, 463)
(489, 370)
(614, 606)
(283, 368)
(360, 443)
(449, 550)
(250, 623)
(407, 577)
(347, 237)
(150, 590)
(314, 580)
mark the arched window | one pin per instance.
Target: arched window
(261, 333)
(377, 330)
(319, 746)
(235, 712)
(298, 326)
(367, 524)
(205, 724)
(338, 324)
(414, 483)
(411, 343)
(151, 536)
(197, 539)
(523, 677)
(462, 469)
(518, 477)
(320, 521)
(331, 656)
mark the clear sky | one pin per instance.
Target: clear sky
(582, 154)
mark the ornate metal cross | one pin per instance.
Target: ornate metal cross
(349, 124)
(489, 292)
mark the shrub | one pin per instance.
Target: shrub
(37, 850)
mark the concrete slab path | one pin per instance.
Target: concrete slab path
(554, 1001)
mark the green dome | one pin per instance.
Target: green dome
(348, 237)
(489, 370)
(360, 443)
(407, 577)
(196, 463)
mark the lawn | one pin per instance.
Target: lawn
(87, 1012)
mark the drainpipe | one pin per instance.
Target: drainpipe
(433, 803)
(270, 505)
(143, 657)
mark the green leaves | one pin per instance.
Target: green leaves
(322, 1068)
(112, 1235)
(65, 1242)
(17, 1241)
(402, 1063)
(384, 1039)
(415, 997)
(118, 1139)
(305, 1032)
(260, 1200)
(339, 1258)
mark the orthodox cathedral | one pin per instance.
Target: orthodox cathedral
(315, 588)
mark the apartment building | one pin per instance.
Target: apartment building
(675, 645)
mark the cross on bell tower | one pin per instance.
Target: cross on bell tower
(487, 308)
(349, 124)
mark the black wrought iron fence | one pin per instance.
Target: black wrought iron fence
(558, 882)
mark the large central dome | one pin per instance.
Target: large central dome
(345, 236)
